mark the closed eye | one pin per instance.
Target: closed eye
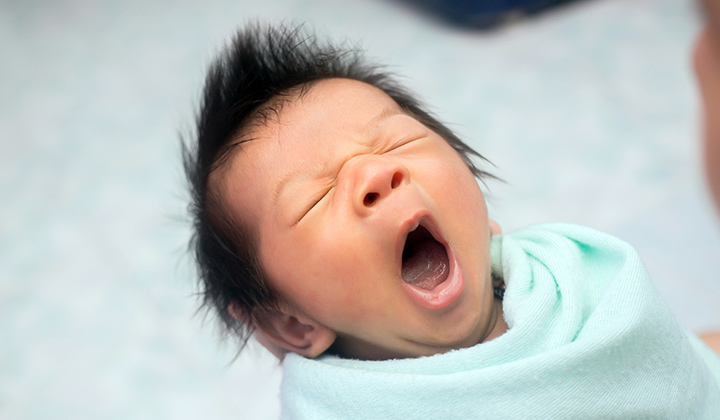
(403, 142)
(313, 203)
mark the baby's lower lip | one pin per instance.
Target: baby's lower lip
(445, 293)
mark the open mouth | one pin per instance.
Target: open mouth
(425, 262)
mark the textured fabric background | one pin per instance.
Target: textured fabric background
(589, 113)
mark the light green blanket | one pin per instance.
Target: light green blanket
(589, 338)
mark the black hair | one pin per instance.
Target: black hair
(261, 64)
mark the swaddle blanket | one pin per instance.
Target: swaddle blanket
(589, 338)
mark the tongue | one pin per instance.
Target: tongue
(428, 266)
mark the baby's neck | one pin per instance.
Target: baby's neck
(500, 326)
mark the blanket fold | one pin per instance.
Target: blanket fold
(589, 338)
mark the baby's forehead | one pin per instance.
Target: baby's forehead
(329, 107)
(332, 100)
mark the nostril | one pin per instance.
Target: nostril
(370, 198)
(396, 180)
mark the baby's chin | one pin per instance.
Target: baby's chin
(489, 325)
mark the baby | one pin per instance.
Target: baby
(342, 224)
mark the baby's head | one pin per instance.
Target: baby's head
(332, 213)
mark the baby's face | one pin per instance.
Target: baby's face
(369, 224)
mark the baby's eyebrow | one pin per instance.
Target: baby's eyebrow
(372, 125)
(282, 184)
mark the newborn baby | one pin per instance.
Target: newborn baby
(342, 224)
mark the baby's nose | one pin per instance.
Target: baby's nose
(376, 178)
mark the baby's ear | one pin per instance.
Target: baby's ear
(284, 329)
(296, 333)
(241, 316)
